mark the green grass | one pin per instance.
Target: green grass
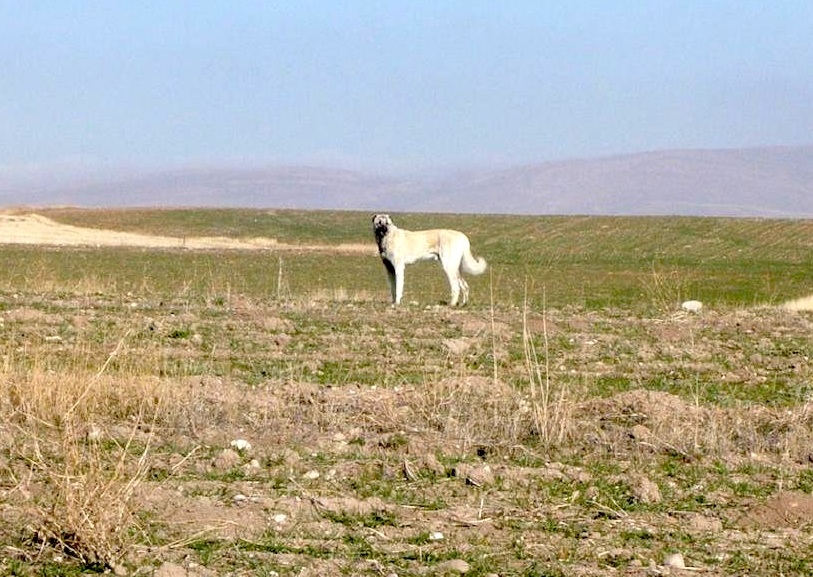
(589, 262)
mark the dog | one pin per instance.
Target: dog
(399, 247)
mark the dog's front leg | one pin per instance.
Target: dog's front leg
(399, 284)
(390, 278)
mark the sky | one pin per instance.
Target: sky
(396, 85)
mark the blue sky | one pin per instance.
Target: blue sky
(396, 85)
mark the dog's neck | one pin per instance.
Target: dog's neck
(381, 233)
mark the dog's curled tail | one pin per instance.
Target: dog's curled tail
(473, 265)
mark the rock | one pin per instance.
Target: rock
(645, 490)
(241, 445)
(281, 340)
(457, 347)
(454, 566)
(640, 433)
(474, 475)
(674, 561)
(94, 432)
(692, 306)
(702, 523)
(226, 460)
(170, 570)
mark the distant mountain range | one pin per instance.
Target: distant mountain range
(754, 182)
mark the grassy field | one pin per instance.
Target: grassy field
(268, 413)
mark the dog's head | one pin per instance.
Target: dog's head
(381, 224)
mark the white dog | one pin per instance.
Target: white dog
(399, 247)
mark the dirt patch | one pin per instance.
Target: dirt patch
(801, 304)
(790, 509)
(39, 230)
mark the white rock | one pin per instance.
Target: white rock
(692, 306)
(241, 444)
(675, 561)
(280, 518)
(312, 474)
(436, 536)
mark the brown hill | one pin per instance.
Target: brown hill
(745, 182)
(770, 182)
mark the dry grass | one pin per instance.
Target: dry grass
(79, 444)
(111, 460)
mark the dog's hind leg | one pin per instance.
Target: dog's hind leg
(453, 276)
(464, 290)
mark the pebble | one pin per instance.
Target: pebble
(455, 565)
(674, 561)
(692, 306)
(241, 445)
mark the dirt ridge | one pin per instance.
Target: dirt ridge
(35, 229)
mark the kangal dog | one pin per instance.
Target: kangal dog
(399, 247)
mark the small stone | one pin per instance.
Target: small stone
(252, 466)
(646, 491)
(701, 523)
(241, 445)
(474, 475)
(311, 475)
(674, 561)
(227, 459)
(457, 347)
(94, 432)
(168, 569)
(692, 306)
(640, 433)
(455, 565)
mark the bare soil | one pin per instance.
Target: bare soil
(18, 228)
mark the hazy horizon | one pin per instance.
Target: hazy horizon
(762, 182)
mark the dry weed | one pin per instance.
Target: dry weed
(79, 477)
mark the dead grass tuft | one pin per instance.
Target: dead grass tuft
(80, 446)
